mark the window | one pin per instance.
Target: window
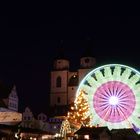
(58, 82)
(29, 117)
(58, 100)
(59, 62)
(73, 80)
(24, 117)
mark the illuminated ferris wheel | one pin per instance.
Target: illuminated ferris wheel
(113, 95)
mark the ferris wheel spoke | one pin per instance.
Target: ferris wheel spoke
(117, 110)
(105, 96)
(121, 94)
(107, 91)
(119, 90)
(104, 113)
(123, 113)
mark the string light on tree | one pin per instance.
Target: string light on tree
(77, 116)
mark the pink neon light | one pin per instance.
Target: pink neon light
(118, 112)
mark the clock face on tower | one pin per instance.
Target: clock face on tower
(113, 96)
(87, 62)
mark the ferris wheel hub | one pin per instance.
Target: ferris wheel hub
(113, 100)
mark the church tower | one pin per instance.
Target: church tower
(64, 83)
(59, 78)
(87, 61)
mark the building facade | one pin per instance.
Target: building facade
(9, 97)
(64, 82)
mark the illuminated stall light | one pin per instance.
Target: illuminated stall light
(86, 137)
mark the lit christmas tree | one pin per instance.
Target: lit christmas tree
(79, 113)
(77, 116)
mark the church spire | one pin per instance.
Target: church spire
(60, 51)
(87, 60)
(61, 62)
(88, 45)
(14, 87)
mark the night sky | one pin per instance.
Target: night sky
(30, 43)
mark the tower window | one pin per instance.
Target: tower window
(59, 62)
(58, 82)
(58, 100)
(73, 80)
